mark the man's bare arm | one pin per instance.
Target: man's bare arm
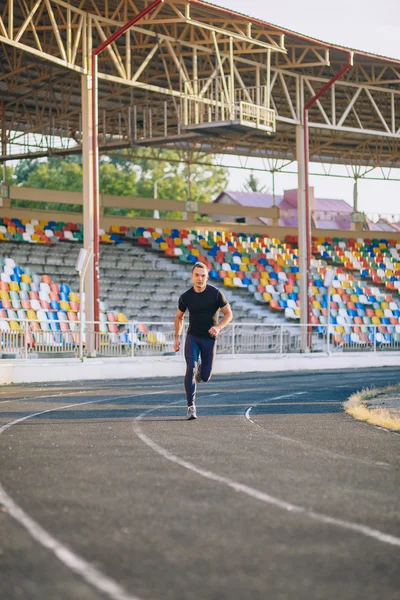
(226, 319)
(178, 326)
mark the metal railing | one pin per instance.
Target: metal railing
(35, 339)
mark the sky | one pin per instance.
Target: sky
(368, 25)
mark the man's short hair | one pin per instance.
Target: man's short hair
(199, 264)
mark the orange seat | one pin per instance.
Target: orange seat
(46, 279)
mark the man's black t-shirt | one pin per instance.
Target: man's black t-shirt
(203, 309)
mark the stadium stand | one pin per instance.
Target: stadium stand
(144, 269)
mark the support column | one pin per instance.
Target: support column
(302, 234)
(88, 238)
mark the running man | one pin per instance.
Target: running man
(203, 302)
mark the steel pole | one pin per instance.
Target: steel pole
(95, 148)
(307, 106)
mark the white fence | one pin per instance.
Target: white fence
(34, 339)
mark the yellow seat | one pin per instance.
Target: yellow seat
(264, 282)
(121, 318)
(163, 246)
(4, 295)
(379, 312)
(339, 328)
(195, 252)
(353, 298)
(64, 305)
(243, 267)
(74, 297)
(31, 315)
(245, 260)
(375, 321)
(228, 282)
(14, 326)
(26, 278)
(316, 304)
(267, 296)
(151, 338)
(297, 311)
(14, 286)
(115, 229)
(232, 274)
(384, 305)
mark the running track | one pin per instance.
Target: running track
(274, 493)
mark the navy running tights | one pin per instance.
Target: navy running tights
(196, 348)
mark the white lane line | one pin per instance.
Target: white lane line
(323, 451)
(70, 559)
(74, 562)
(247, 413)
(257, 494)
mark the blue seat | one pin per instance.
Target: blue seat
(54, 326)
(234, 267)
(64, 297)
(55, 305)
(246, 281)
(15, 278)
(333, 320)
(65, 289)
(214, 274)
(385, 321)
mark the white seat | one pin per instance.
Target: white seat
(5, 277)
(387, 313)
(69, 236)
(238, 282)
(9, 262)
(4, 325)
(291, 304)
(44, 296)
(35, 304)
(44, 287)
(289, 313)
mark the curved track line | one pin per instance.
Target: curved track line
(257, 494)
(70, 559)
(323, 451)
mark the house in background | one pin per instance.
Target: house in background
(326, 213)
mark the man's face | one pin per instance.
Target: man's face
(199, 278)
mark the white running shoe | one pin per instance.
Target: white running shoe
(191, 412)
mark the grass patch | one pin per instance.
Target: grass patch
(356, 407)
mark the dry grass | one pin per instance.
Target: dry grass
(356, 407)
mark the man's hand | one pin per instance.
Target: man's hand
(214, 331)
(177, 344)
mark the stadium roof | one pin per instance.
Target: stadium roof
(187, 62)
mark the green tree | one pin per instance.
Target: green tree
(253, 185)
(130, 173)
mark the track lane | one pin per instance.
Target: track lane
(158, 520)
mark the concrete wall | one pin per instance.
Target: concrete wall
(53, 370)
